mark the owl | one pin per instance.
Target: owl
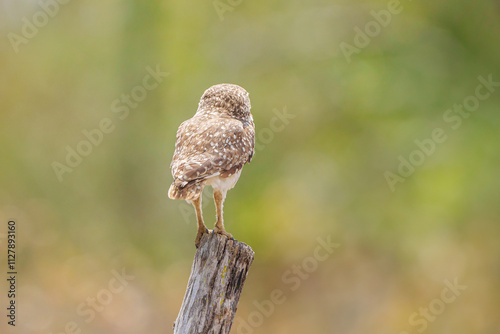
(211, 149)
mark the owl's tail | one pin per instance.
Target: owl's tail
(189, 191)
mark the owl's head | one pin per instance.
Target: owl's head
(228, 99)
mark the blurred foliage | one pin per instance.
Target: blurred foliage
(322, 175)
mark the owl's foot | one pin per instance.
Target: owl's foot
(199, 235)
(223, 232)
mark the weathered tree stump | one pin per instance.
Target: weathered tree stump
(219, 270)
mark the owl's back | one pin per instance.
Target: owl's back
(209, 145)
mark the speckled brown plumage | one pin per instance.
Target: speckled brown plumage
(212, 147)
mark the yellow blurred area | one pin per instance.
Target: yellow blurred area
(347, 97)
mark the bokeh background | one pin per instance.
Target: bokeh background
(319, 172)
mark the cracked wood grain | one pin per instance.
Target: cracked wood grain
(219, 270)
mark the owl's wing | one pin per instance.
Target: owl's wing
(208, 147)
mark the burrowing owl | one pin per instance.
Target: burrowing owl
(211, 149)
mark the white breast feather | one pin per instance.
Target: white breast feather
(223, 184)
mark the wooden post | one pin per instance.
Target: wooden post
(219, 270)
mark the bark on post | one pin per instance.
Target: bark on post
(219, 270)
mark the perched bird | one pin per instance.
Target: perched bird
(211, 149)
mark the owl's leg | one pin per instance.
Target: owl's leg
(202, 229)
(219, 198)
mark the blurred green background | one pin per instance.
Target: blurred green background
(321, 172)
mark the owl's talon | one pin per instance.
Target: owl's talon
(223, 232)
(200, 235)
